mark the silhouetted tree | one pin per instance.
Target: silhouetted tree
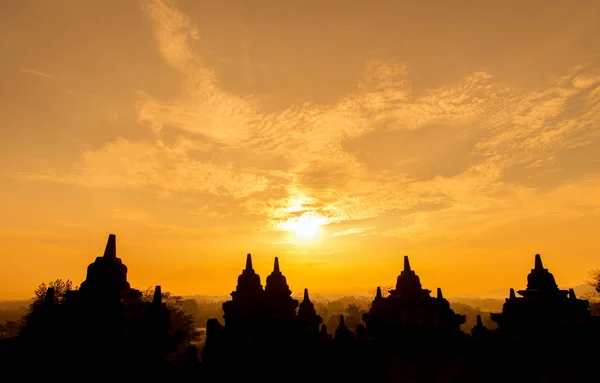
(353, 316)
(594, 295)
(61, 288)
(385, 290)
(208, 309)
(594, 281)
(190, 306)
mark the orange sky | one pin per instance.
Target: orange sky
(463, 134)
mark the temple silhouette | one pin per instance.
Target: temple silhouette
(106, 327)
(410, 313)
(542, 308)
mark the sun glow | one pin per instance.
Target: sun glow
(305, 226)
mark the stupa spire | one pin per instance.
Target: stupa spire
(479, 330)
(512, 293)
(343, 333)
(408, 283)
(439, 293)
(538, 262)
(248, 281)
(308, 314)
(378, 294)
(276, 281)
(157, 298)
(249, 262)
(111, 247)
(540, 279)
(278, 296)
(324, 330)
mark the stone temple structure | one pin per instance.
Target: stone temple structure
(409, 311)
(267, 314)
(261, 326)
(542, 307)
(279, 303)
(106, 278)
(242, 313)
(104, 326)
(308, 319)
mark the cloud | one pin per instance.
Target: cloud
(281, 242)
(213, 210)
(125, 164)
(307, 164)
(352, 231)
(34, 72)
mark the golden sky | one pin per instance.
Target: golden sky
(338, 135)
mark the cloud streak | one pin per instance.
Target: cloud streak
(34, 72)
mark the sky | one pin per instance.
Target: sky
(336, 135)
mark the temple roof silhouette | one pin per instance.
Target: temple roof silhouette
(410, 306)
(408, 283)
(107, 272)
(248, 281)
(540, 282)
(541, 305)
(306, 308)
(276, 282)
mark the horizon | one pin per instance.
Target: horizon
(494, 294)
(336, 136)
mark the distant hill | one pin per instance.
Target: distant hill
(13, 310)
(14, 305)
(208, 298)
(483, 304)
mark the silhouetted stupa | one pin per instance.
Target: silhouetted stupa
(243, 312)
(409, 309)
(248, 286)
(307, 315)
(343, 335)
(107, 276)
(408, 284)
(479, 330)
(278, 296)
(542, 307)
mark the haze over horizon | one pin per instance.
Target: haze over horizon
(338, 136)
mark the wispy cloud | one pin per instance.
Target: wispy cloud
(34, 72)
(352, 231)
(135, 164)
(433, 157)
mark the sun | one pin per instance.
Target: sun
(306, 226)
